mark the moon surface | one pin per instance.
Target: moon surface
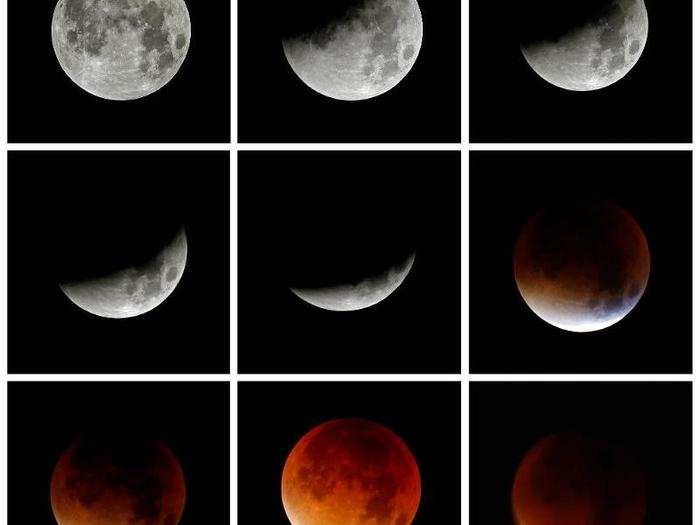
(582, 266)
(98, 484)
(366, 293)
(361, 55)
(351, 472)
(594, 53)
(121, 49)
(134, 290)
(571, 480)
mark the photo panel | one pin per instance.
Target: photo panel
(581, 262)
(349, 452)
(119, 71)
(581, 71)
(348, 262)
(118, 262)
(349, 71)
(118, 453)
(570, 453)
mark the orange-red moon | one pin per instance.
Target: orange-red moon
(573, 480)
(97, 483)
(351, 472)
(582, 266)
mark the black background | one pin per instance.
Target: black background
(274, 416)
(192, 419)
(68, 208)
(509, 102)
(47, 106)
(507, 189)
(296, 209)
(274, 105)
(651, 421)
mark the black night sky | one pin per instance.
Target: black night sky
(104, 209)
(507, 188)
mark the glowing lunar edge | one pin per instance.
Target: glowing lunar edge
(362, 56)
(134, 290)
(596, 54)
(366, 293)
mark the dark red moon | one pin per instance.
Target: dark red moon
(573, 480)
(98, 483)
(582, 266)
(351, 471)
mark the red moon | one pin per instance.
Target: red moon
(351, 472)
(582, 266)
(573, 480)
(112, 484)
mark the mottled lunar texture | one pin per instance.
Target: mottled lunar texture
(366, 293)
(361, 55)
(134, 290)
(574, 480)
(118, 484)
(121, 49)
(596, 53)
(351, 472)
(582, 266)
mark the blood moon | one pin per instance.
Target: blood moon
(351, 471)
(569, 479)
(113, 482)
(582, 265)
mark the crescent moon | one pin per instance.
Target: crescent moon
(366, 293)
(134, 290)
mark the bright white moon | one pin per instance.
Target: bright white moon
(366, 293)
(134, 290)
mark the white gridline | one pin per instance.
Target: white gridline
(464, 377)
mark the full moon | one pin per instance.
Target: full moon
(361, 53)
(592, 50)
(582, 266)
(571, 479)
(134, 290)
(360, 295)
(351, 471)
(121, 49)
(96, 483)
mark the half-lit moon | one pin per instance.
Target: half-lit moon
(135, 290)
(356, 296)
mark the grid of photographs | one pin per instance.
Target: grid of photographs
(358, 262)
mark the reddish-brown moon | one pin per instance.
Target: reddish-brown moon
(351, 472)
(115, 483)
(582, 266)
(569, 479)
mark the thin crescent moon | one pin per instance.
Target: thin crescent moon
(366, 293)
(134, 290)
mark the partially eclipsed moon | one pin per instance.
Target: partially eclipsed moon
(582, 266)
(121, 49)
(364, 54)
(134, 290)
(117, 484)
(596, 53)
(351, 472)
(366, 293)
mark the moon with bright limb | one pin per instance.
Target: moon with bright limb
(360, 295)
(360, 54)
(134, 290)
(121, 49)
(592, 51)
(115, 483)
(351, 472)
(582, 266)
